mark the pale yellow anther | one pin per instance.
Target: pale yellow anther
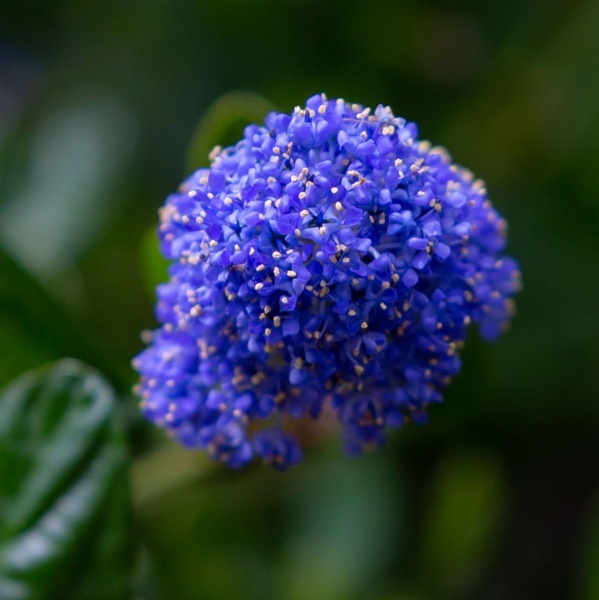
(259, 286)
(267, 331)
(351, 312)
(334, 190)
(277, 321)
(260, 268)
(291, 274)
(214, 152)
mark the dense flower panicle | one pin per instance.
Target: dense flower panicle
(331, 260)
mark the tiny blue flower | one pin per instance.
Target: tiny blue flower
(329, 261)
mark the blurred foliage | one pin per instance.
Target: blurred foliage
(64, 523)
(221, 123)
(457, 540)
(495, 498)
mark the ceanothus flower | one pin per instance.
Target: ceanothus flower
(329, 261)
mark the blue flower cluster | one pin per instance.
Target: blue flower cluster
(329, 261)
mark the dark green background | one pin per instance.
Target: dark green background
(497, 498)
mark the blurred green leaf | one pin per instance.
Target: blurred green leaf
(155, 266)
(467, 500)
(223, 123)
(35, 328)
(64, 526)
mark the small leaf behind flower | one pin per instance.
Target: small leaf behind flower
(224, 122)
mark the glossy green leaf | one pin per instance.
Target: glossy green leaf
(223, 123)
(63, 495)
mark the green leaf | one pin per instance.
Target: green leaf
(223, 123)
(63, 495)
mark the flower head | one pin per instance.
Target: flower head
(331, 260)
